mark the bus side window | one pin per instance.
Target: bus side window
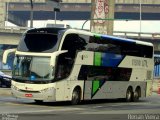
(64, 66)
(70, 45)
(74, 43)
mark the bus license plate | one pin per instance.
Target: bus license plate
(28, 95)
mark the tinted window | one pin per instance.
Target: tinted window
(104, 73)
(137, 50)
(98, 44)
(38, 42)
(41, 40)
(73, 43)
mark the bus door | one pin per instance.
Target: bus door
(65, 62)
(63, 70)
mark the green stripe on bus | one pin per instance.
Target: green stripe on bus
(97, 35)
(97, 59)
(95, 86)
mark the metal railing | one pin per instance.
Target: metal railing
(13, 29)
(137, 34)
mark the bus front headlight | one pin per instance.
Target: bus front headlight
(14, 88)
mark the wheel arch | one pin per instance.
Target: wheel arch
(129, 93)
(78, 87)
(138, 88)
(130, 88)
(76, 95)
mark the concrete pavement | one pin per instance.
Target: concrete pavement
(5, 91)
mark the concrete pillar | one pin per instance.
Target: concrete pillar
(102, 16)
(2, 13)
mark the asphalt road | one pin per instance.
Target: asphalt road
(22, 109)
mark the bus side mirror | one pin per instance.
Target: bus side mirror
(54, 55)
(6, 53)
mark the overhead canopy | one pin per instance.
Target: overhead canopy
(55, 4)
(55, 0)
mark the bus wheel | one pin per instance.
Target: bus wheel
(136, 95)
(129, 95)
(75, 97)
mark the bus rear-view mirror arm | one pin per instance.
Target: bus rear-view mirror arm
(6, 53)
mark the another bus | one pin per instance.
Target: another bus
(156, 66)
(57, 64)
(57, 24)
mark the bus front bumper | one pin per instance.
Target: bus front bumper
(46, 95)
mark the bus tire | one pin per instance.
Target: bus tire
(129, 94)
(136, 95)
(76, 96)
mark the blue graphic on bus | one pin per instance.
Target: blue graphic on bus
(32, 77)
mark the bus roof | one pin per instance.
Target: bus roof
(124, 40)
(78, 31)
(114, 38)
(46, 30)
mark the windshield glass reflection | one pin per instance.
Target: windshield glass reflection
(32, 68)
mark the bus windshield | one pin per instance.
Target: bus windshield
(32, 68)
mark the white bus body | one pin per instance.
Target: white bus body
(73, 65)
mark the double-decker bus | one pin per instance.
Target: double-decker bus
(57, 64)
